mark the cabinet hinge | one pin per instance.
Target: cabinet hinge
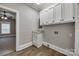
(73, 17)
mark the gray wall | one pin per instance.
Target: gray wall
(7, 43)
(28, 21)
(64, 38)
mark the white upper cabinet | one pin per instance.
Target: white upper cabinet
(57, 13)
(68, 11)
(42, 18)
(50, 16)
(46, 17)
(60, 13)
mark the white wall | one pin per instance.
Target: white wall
(28, 21)
(65, 38)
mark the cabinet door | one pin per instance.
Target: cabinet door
(46, 20)
(46, 17)
(39, 39)
(68, 11)
(50, 15)
(57, 13)
(42, 18)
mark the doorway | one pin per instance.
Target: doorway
(9, 33)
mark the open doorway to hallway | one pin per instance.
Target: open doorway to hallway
(7, 31)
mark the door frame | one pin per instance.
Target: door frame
(17, 23)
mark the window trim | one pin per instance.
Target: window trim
(5, 23)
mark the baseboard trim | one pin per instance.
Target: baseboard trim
(61, 50)
(24, 46)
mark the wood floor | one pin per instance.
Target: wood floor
(33, 51)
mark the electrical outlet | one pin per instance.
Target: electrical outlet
(56, 32)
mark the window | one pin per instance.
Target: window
(5, 28)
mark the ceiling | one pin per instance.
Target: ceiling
(40, 6)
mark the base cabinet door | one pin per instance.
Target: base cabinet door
(37, 39)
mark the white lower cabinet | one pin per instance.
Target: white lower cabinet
(37, 39)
